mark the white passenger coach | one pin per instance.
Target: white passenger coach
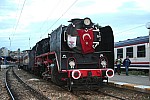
(138, 50)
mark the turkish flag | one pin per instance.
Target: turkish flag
(86, 39)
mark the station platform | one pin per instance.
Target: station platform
(139, 83)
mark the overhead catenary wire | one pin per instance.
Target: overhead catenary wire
(60, 17)
(18, 19)
(13, 27)
(130, 29)
(16, 25)
(51, 12)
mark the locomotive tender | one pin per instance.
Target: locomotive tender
(80, 54)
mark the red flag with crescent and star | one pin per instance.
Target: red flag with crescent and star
(86, 39)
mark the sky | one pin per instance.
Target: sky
(25, 22)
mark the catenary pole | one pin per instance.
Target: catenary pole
(148, 27)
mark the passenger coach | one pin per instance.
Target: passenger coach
(137, 49)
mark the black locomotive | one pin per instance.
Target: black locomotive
(80, 54)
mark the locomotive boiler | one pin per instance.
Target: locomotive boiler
(80, 54)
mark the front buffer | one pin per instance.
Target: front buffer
(87, 78)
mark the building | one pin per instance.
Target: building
(4, 51)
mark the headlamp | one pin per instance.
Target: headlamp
(87, 21)
(104, 63)
(72, 64)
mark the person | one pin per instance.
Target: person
(1, 63)
(126, 63)
(118, 64)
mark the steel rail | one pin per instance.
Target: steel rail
(36, 93)
(117, 97)
(8, 86)
(107, 94)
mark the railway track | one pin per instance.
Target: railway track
(94, 95)
(3, 91)
(47, 88)
(89, 94)
(19, 90)
(60, 93)
(123, 93)
(111, 93)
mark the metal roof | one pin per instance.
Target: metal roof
(138, 40)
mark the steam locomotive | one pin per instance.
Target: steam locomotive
(80, 54)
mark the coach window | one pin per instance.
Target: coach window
(141, 51)
(129, 52)
(120, 52)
